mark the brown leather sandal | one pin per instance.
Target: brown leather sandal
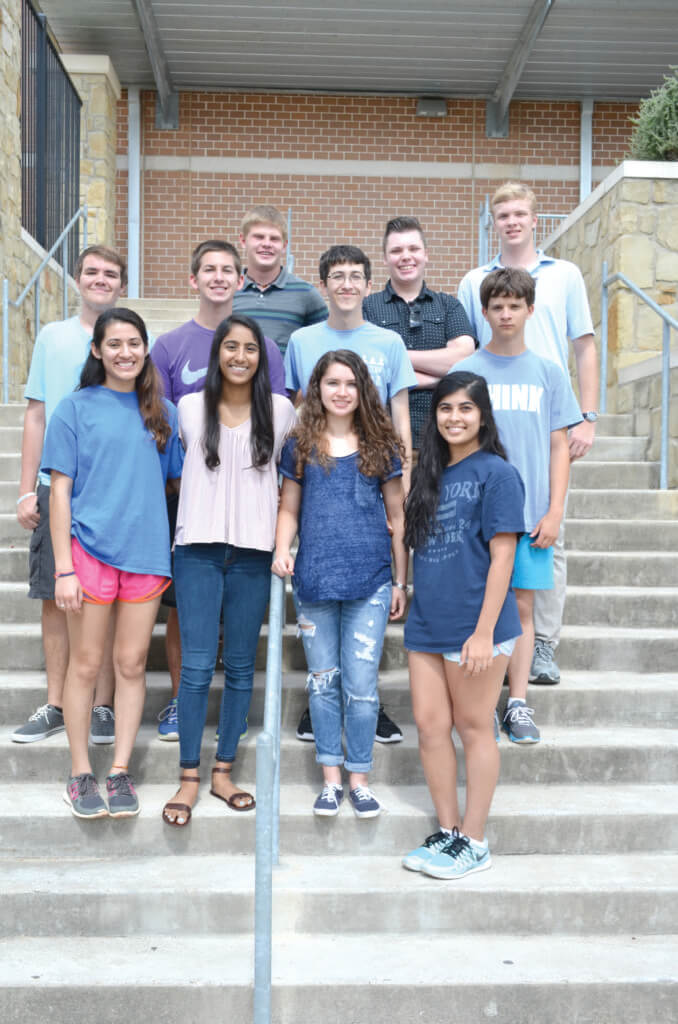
(180, 807)
(221, 769)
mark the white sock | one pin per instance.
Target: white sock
(512, 701)
(447, 831)
(477, 845)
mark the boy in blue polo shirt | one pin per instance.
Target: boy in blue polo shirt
(534, 406)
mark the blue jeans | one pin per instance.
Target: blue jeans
(343, 642)
(209, 577)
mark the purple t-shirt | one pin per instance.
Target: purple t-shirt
(181, 357)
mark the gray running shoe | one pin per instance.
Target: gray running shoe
(102, 729)
(42, 723)
(123, 801)
(544, 671)
(518, 724)
(83, 797)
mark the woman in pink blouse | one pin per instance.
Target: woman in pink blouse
(233, 432)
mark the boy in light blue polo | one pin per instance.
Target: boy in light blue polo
(534, 405)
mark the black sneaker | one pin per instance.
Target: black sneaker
(102, 728)
(305, 729)
(387, 730)
(42, 723)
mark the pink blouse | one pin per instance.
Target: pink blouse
(236, 503)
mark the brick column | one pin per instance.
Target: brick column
(97, 83)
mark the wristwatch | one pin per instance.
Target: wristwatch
(590, 417)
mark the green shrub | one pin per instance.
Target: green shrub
(655, 133)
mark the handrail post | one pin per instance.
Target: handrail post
(85, 214)
(64, 270)
(263, 881)
(603, 340)
(666, 398)
(5, 340)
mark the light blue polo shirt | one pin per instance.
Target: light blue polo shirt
(383, 351)
(561, 308)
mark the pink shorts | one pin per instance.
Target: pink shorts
(103, 584)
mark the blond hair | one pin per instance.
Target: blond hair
(514, 190)
(263, 215)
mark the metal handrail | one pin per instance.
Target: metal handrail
(268, 805)
(62, 241)
(668, 323)
(546, 224)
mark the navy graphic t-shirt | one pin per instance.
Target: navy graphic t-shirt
(479, 497)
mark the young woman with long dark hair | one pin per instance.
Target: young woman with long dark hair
(110, 448)
(462, 518)
(233, 432)
(343, 477)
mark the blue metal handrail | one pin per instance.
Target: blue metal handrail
(62, 241)
(668, 323)
(268, 805)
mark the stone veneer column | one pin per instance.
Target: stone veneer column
(97, 83)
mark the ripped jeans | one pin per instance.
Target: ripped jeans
(343, 642)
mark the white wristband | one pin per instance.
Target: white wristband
(28, 494)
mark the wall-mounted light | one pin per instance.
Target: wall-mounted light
(431, 106)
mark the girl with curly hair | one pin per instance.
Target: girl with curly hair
(110, 449)
(342, 480)
(463, 516)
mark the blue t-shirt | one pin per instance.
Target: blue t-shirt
(531, 397)
(479, 497)
(119, 513)
(344, 544)
(383, 351)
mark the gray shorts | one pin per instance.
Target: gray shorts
(41, 555)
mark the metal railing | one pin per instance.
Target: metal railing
(50, 136)
(488, 243)
(668, 323)
(268, 805)
(62, 241)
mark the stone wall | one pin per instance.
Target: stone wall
(19, 254)
(639, 393)
(630, 220)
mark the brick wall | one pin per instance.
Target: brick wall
(439, 169)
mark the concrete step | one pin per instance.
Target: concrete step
(526, 818)
(615, 535)
(622, 504)
(618, 449)
(374, 894)
(614, 425)
(618, 606)
(604, 475)
(624, 568)
(10, 440)
(581, 699)
(338, 979)
(10, 466)
(581, 647)
(12, 415)
(565, 754)
(11, 533)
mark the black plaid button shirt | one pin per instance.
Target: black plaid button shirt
(442, 317)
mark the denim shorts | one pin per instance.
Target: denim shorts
(533, 567)
(505, 647)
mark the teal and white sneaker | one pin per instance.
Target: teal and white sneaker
(169, 722)
(415, 860)
(458, 857)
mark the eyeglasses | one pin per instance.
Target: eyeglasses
(415, 314)
(355, 277)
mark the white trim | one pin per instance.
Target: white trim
(438, 170)
(651, 367)
(639, 169)
(92, 64)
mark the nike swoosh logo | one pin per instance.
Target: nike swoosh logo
(189, 376)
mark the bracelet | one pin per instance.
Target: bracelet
(28, 494)
(401, 586)
(58, 575)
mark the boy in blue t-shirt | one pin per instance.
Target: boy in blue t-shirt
(534, 405)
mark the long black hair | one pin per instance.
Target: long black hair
(434, 455)
(147, 385)
(261, 416)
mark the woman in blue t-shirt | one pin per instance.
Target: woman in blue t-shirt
(463, 515)
(342, 479)
(110, 448)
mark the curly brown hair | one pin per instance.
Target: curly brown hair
(378, 443)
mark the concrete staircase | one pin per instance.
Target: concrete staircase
(575, 922)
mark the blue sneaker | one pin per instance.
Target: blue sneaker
(518, 724)
(168, 728)
(415, 860)
(457, 858)
(364, 802)
(327, 804)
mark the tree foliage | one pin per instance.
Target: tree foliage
(655, 133)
